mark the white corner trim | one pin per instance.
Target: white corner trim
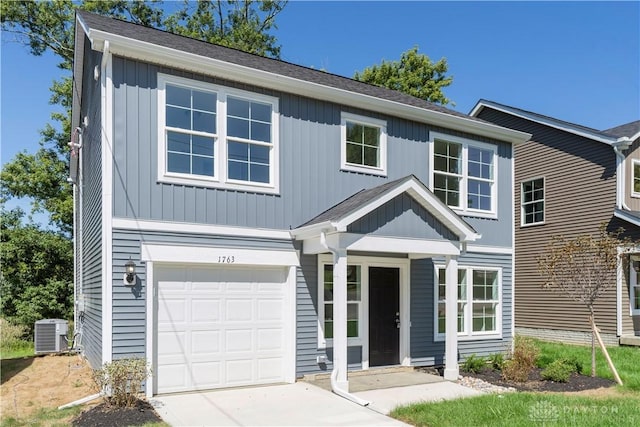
(187, 227)
(229, 256)
(139, 49)
(107, 204)
(619, 280)
(151, 355)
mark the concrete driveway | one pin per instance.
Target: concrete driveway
(299, 404)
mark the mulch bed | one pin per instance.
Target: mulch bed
(104, 415)
(576, 382)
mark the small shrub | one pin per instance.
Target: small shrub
(12, 337)
(473, 364)
(522, 361)
(496, 361)
(558, 371)
(122, 379)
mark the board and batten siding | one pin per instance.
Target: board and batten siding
(425, 350)
(309, 173)
(580, 194)
(89, 243)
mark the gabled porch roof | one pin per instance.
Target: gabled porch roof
(337, 219)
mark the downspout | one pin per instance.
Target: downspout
(334, 373)
(621, 144)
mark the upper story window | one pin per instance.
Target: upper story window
(479, 302)
(464, 174)
(635, 178)
(363, 144)
(532, 201)
(214, 136)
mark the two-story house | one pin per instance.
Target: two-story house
(242, 220)
(569, 179)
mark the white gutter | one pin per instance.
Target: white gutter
(621, 144)
(334, 373)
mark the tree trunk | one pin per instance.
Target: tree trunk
(593, 348)
(604, 350)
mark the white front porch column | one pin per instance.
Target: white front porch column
(451, 370)
(340, 317)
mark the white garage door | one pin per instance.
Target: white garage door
(219, 327)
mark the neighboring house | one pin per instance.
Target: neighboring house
(281, 220)
(569, 179)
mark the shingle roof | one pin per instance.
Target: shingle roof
(548, 118)
(355, 202)
(275, 66)
(627, 129)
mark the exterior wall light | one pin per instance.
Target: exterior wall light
(130, 273)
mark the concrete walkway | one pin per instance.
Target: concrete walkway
(308, 404)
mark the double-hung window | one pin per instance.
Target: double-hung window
(532, 201)
(635, 178)
(354, 300)
(214, 136)
(464, 174)
(634, 288)
(363, 144)
(479, 302)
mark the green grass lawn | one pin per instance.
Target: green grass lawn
(23, 350)
(49, 417)
(531, 409)
(625, 359)
(525, 409)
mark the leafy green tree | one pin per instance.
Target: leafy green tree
(37, 267)
(414, 74)
(40, 283)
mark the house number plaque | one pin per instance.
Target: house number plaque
(226, 259)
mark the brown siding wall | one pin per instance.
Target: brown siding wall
(580, 194)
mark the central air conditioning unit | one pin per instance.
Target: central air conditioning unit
(50, 336)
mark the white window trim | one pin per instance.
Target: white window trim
(633, 278)
(469, 335)
(405, 323)
(466, 143)
(366, 121)
(633, 163)
(544, 201)
(219, 180)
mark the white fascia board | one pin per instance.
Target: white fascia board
(227, 256)
(403, 245)
(547, 122)
(150, 52)
(181, 227)
(312, 230)
(481, 249)
(626, 217)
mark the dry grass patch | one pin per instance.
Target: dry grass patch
(31, 384)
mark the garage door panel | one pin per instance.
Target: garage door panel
(239, 310)
(220, 328)
(205, 310)
(270, 369)
(270, 309)
(269, 340)
(205, 343)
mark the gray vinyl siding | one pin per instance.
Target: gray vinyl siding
(309, 164)
(90, 197)
(425, 350)
(129, 303)
(403, 217)
(580, 194)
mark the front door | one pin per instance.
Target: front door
(384, 316)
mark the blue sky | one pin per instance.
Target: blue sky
(576, 61)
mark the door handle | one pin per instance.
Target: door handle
(398, 320)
